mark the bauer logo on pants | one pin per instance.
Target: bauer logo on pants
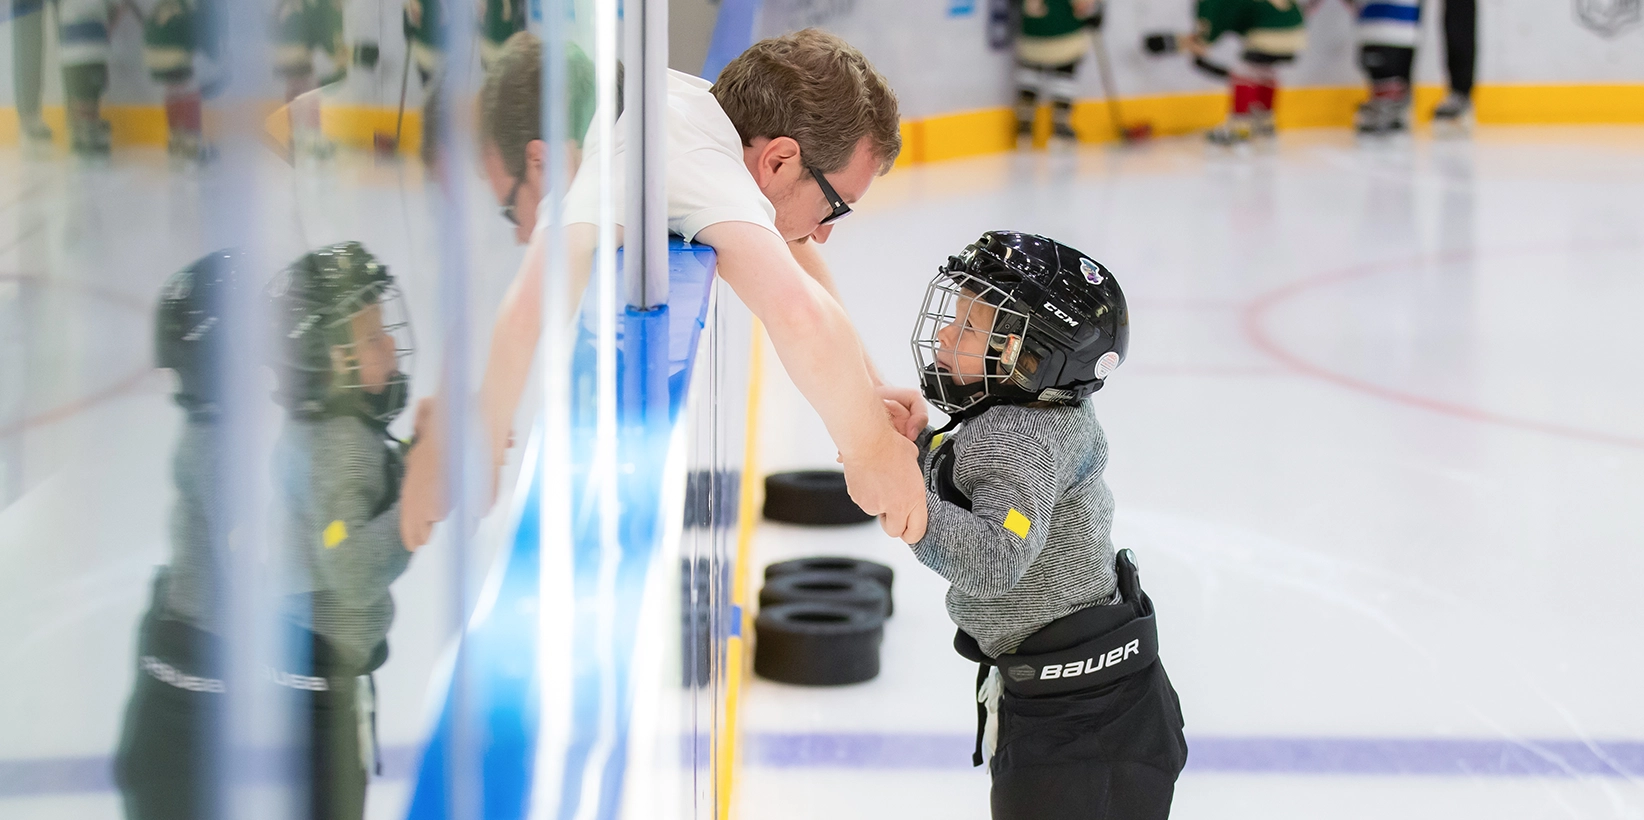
(1073, 670)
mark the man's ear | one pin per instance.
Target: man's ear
(773, 156)
(536, 158)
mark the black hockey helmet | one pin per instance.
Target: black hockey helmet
(322, 367)
(1053, 327)
(188, 329)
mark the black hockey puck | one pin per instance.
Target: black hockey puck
(817, 644)
(855, 591)
(816, 497)
(838, 563)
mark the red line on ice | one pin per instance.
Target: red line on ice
(1255, 329)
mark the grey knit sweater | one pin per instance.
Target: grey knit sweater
(1035, 545)
(339, 486)
(190, 591)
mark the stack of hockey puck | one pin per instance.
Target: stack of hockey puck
(821, 621)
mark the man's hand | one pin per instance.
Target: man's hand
(422, 494)
(907, 409)
(885, 481)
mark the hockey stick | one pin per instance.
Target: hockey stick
(1132, 134)
(384, 144)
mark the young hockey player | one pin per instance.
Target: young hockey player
(83, 51)
(342, 337)
(1016, 332)
(173, 34)
(1052, 42)
(302, 27)
(164, 762)
(1273, 35)
(1388, 31)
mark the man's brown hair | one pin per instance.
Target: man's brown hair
(817, 89)
(511, 99)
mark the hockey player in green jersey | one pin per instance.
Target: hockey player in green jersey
(173, 35)
(302, 27)
(1052, 42)
(1273, 35)
(499, 20)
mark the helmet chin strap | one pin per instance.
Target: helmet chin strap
(382, 408)
(967, 414)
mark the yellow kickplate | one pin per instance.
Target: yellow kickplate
(338, 533)
(1017, 523)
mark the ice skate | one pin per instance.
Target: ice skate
(1236, 131)
(190, 149)
(1024, 136)
(1063, 137)
(1453, 117)
(36, 137)
(1262, 127)
(91, 139)
(1383, 116)
(315, 145)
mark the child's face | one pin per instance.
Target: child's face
(373, 354)
(964, 342)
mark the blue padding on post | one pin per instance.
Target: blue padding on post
(733, 33)
(1388, 11)
(656, 362)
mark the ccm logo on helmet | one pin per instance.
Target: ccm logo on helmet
(1071, 322)
(1073, 670)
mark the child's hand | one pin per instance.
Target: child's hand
(907, 410)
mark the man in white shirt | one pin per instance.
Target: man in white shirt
(760, 163)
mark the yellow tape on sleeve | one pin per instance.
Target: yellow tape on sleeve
(1017, 523)
(337, 533)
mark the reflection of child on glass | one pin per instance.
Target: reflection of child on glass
(164, 764)
(341, 334)
(1016, 332)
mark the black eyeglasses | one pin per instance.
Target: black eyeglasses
(513, 194)
(835, 201)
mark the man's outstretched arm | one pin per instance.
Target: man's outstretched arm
(910, 415)
(822, 354)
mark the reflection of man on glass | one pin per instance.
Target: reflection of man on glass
(759, 163)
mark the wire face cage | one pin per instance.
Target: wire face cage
(358, 338)
(968, 340)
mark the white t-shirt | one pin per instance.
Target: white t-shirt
(708, 182)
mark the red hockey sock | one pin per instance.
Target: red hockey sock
(1245, 93)
(1265, 95)
(183, 110)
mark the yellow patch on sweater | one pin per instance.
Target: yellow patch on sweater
(338, 533)
(1017, 523)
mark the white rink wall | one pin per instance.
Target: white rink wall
(939, 61)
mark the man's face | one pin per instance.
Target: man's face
(509, 190)
(800, 204)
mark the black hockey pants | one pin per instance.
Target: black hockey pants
(1109, 752)
(171, 763)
